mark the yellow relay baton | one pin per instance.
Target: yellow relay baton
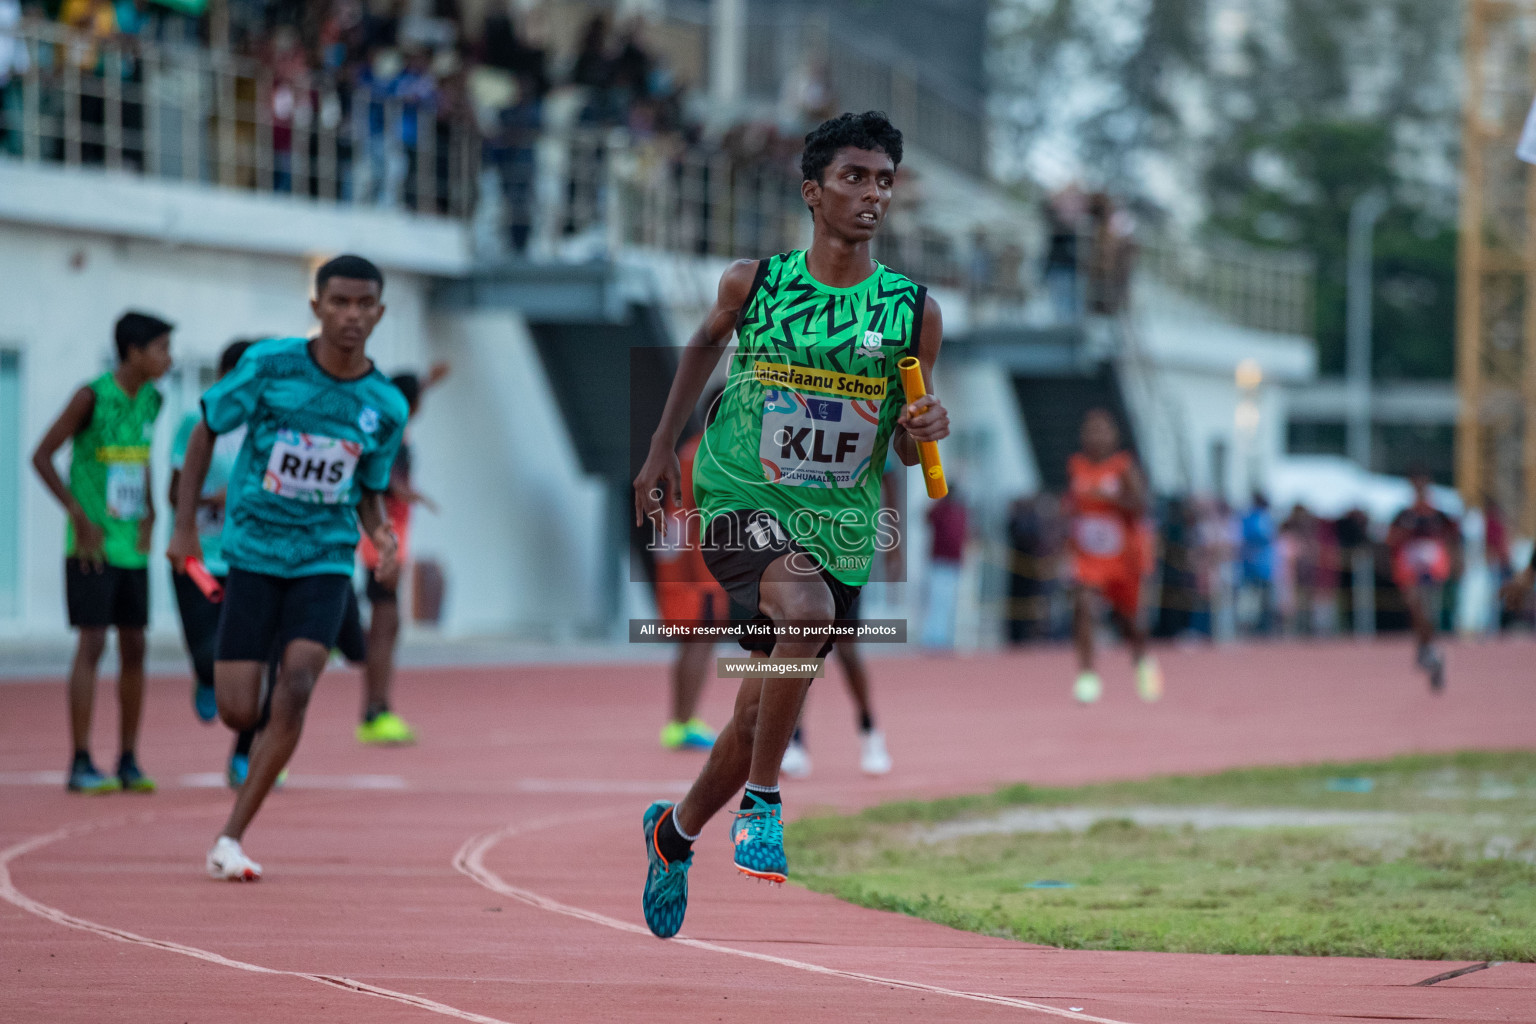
(927, 451)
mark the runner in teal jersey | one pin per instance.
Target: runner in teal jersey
(199, 615)
(788, 475)
(323, 427)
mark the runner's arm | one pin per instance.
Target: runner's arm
(147, 524)
(194, 470)
(70, 422)
(925, 419)
(435, 375)
(1133, 499)
(700, 357)
(1454, 547)
(89, 537)
(370, 513)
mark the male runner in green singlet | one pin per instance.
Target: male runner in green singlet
(323, 428)
(787, 477)
(110, 422)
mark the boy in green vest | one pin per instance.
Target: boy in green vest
(110, 422)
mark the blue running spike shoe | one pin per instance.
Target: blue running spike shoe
(665, 900)
(697, 735)
(239, 767)
(760, 841)
(204, 703)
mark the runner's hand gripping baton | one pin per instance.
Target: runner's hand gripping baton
(204, 580)
(927, 451)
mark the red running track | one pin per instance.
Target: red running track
(492, 873)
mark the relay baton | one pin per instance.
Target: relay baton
(204, 580)
(927, 451)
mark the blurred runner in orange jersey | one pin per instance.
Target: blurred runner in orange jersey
(687, 593)
(381, 725)
(1110, 548)
(1426, 555)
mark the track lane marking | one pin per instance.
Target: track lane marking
(470, 861)
(11, 894)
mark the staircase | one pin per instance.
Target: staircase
(1054, 406)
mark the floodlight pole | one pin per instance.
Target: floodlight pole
(1363, 215)
(728, 52)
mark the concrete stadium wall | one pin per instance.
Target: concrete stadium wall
(519, 532)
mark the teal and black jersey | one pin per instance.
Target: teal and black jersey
(314, 444)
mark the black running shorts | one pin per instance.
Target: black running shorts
(104, 596)
(739, 546)
(261, 611)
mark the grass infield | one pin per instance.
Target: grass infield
(1422, 857)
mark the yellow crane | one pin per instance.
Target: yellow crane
(1496, 265)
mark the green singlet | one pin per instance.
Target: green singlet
(107, 467)
(809, 408)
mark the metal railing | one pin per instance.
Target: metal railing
(703, 200)
(1271, 291)
(195, 115)
(934, 112)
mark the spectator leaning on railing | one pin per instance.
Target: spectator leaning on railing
(14, 62)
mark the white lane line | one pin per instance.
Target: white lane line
(393, 783)
(43, 778)
(216, 780)
(11, 894)
(470, 861)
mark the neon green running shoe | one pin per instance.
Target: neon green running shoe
(84, 778)
(1088, 688)
(694, 734)
(131, 777)
(386, 729)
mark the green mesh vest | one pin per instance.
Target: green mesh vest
(809, 408)
(107, 462)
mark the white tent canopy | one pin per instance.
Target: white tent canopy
(1331, 485)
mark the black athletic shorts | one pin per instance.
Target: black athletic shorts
(378, 592)
(738, 546)
(104, 597)
(261, 613)
(351, 641)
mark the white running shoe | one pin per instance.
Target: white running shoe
(797, 761)
(1149, 679)
(1088, 688)
(873, 759)
(228, 863)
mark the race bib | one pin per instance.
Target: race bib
(125, 490)
(1099, 536)
(311, 468)
(1427, 559)
(810, 441)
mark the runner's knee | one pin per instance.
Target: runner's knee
(237, 690)
(295, 685)
(130, 645)
(92, 643)
(810, 604)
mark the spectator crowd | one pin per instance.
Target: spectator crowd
(1225, 572)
